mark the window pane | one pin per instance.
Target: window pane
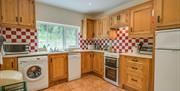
(56, 37)
(70, 35)
(42, 35)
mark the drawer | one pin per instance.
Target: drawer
(138, 73)
(135, 60)
(135, 82)
(135, 66)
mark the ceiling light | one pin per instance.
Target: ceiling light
(90, 4)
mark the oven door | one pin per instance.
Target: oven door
(111, 73)
(111, 62)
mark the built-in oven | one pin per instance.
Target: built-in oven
(111, 68)
(15, 48)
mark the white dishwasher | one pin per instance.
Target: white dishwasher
(74, 66)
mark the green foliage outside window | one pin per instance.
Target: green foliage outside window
(56, 37)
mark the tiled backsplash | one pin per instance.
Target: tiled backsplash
(20, 35)
(122, 44)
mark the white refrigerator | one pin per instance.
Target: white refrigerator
(167, 60)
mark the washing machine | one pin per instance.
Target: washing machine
(35, 71)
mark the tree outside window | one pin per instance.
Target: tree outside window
(57, 37)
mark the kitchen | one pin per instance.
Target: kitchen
(118, 45)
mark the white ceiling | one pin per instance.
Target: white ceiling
(86, 6)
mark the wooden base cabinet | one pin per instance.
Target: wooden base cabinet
(86, 62)
(135, 73)
(9, 63)
(98, 63)
(58, 67)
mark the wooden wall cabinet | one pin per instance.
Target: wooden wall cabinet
(106, 26)
(58, 67)
(167, 13)
(135, 73)
(26, 12)
(9, 10)
(86, 62)
(102, 26)
(18, 13)
(87, 30)
(98, 29)
(9, 63)
(120, 19)
(98, 64)
(141, 21)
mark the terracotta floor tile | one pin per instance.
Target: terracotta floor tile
(87, 83)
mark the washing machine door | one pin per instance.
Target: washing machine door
(33, 72)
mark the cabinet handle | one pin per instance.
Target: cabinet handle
(16, 19)
(135, 60)
(32, 1)
(131, 29)
(51, 60)
(134, 80)
(117, 17)
(134, 68)
(1, 17)
(20, 19)
(12, 64)
(158, 19)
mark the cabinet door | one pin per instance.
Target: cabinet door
(168, 13)
(98, 28)
(114, 20)
(9, 11)
(26, 12)
(86, 62)
(58, 67)
(90, 29)
(9, 64)
(120, 19)
(141, 20)
(98, 63)
(106, 26)
(124, 18)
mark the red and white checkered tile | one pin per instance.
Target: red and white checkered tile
(122, 44)
(20, 35)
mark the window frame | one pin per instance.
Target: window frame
(64, 38)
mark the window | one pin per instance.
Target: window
(57, 37)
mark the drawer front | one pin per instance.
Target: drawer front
(135, 73)
(135, 66)
(135, 60)
(135, 82)
(136, 69)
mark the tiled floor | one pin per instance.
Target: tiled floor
(87, 83)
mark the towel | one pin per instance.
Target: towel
(1, 55)
(1, 58)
